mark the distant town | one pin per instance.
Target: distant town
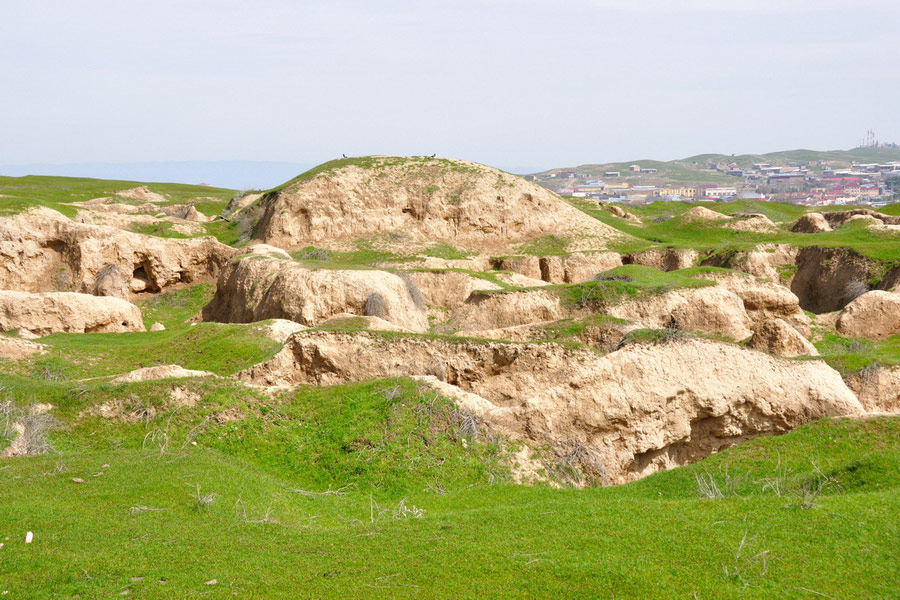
(822, 180)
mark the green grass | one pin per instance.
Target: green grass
(140, 528)
(162, 229)
(544, 246)
(374, 163)
(174, 307)
(20, 193)
(447, 251)
(221, 348)
(712, 237)
(621, 283)
(849, 355)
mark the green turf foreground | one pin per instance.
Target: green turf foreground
(372, 491)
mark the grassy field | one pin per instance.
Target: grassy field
(209, 488)
(662, 228)
(379, 490)
(19, 193)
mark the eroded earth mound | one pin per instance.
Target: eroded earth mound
(533, 313)
(41, 250)
(638, 410)
(415, 200)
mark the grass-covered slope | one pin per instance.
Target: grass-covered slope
(663, 228)
(372, 490)
(20, 193)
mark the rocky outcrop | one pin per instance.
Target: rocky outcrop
(255, 288)
(421, 200)
(874, 315)
(702, 214)
(811, 223)
(751, 222)
(776, 336)
(40, 314)
(483, 311)
(668, 259)
(713, 310)
(624, 415)
(42, 251)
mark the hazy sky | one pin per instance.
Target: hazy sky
(510, 83)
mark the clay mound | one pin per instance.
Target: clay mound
(258, 249)
(874, 315)
(811, 223)
(281, 329)
(766, 261)
(424, 200)
(701, 213)
(42, 251)
(633, 412)
(666, 259)
(507, 309)
(192, 214)
(42, 314)
(15, 349)
(778, 337)
(836, 219)
(620, 212)
(141, 193)
(256, 288)
(712, 310)
(127, 222)
(763, 300)
(752, 222)
(878, 389)
(160, 372)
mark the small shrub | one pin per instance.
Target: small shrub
(33, 427)
(375, 306)
(413, 290)
(854, 289)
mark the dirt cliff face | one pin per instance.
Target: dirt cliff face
(43, 314)
(627, 414)
(42, 251)
(256, 287)
(418, 200)
(763, 300)
(713, 310)
(827, 279)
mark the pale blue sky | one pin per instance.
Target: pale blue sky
(509, 83)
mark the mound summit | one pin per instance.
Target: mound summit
(414, 200)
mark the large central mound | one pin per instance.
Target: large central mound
(416, 200)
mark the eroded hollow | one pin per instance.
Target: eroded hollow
(827, 279)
